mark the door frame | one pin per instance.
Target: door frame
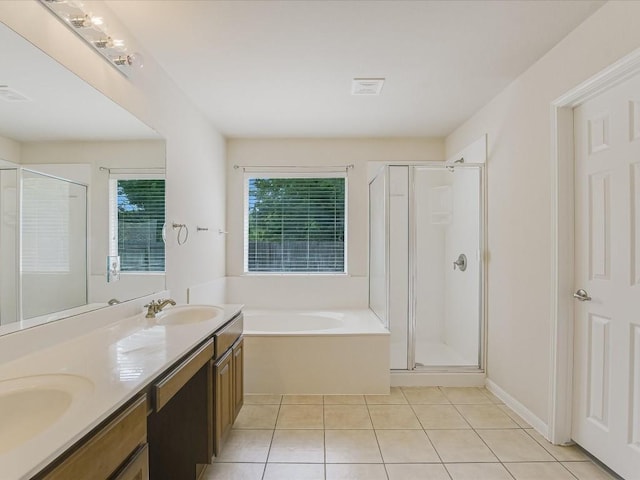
(562, 226)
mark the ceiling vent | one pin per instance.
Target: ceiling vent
(10, 95)
(366, 86)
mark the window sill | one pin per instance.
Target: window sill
(293, 274)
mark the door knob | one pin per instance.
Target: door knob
(582, 295)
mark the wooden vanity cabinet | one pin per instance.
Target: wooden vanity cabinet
(222, 399)
(179, 425)
(112, 448)
(238, 376)
(137, 468)
(228, 389)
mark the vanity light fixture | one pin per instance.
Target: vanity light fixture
(93, 29)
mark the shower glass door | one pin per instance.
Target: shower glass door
(446, 266)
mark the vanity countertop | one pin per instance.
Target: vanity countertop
(115, 362)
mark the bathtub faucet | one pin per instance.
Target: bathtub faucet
(155, 306)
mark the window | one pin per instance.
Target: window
(295, 224)
(136, 223)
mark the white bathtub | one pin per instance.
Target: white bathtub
(315, 352)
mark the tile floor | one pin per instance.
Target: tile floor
(426, 433)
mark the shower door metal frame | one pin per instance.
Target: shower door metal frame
(384, 174)
(482, 340)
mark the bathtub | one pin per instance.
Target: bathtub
(315, 352)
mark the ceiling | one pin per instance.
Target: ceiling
(61, 106)
(284, 68)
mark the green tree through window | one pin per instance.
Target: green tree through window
(141, 207)
(296, 225)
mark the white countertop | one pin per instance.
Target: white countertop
(120, 360)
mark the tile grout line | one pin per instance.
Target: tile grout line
(473, 429)
(550, 453)
(273, 433)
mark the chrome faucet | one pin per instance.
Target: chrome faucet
(155, 306)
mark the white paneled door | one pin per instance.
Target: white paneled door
(606, 387)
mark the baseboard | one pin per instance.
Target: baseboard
(527, 415)
(436, 379)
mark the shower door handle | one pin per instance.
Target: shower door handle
(461, 262)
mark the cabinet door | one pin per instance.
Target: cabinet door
(223, 398)
(100, 456)
(238, 377)
(138, 467)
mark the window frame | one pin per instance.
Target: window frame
(267, 173)
(113, 216)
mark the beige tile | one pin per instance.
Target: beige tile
(234, 471)
(300, 416)
(514, 446)
(587, 471)
(539, 470)
(406, 446)
(293, 471)
(465, 395)
(302, 400)
(254, 399)
(393, 416)
(358, 471)
(569, 453)
(348, 417)
(460, 446)
(257, 416)
(486, 416)
(478, 471)
(246, 446)
(416, 472)
(344, 400)
(491, 396)
(297, 446)
(351, 446)
(439, 417)
(514, 416)
(395, 397)
(425, 395)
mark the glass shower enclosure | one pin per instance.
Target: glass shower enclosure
(426, 272)
(43, 244)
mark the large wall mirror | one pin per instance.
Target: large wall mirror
(82, 201)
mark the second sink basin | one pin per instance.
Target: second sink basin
(30, 405)
(184, 314)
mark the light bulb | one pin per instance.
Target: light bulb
(136, 60)
(106, 42)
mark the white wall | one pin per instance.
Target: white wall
(195, 151)
(10, 150)
(519, 197)
(352, 291)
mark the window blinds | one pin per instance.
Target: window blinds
(295, 225)
(137, 219)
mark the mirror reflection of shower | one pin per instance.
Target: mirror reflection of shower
(43, 239)
(425, 263)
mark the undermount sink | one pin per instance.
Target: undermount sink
(30, 405)
(184, 314)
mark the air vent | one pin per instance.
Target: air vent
(10, 95)
(366, 86)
